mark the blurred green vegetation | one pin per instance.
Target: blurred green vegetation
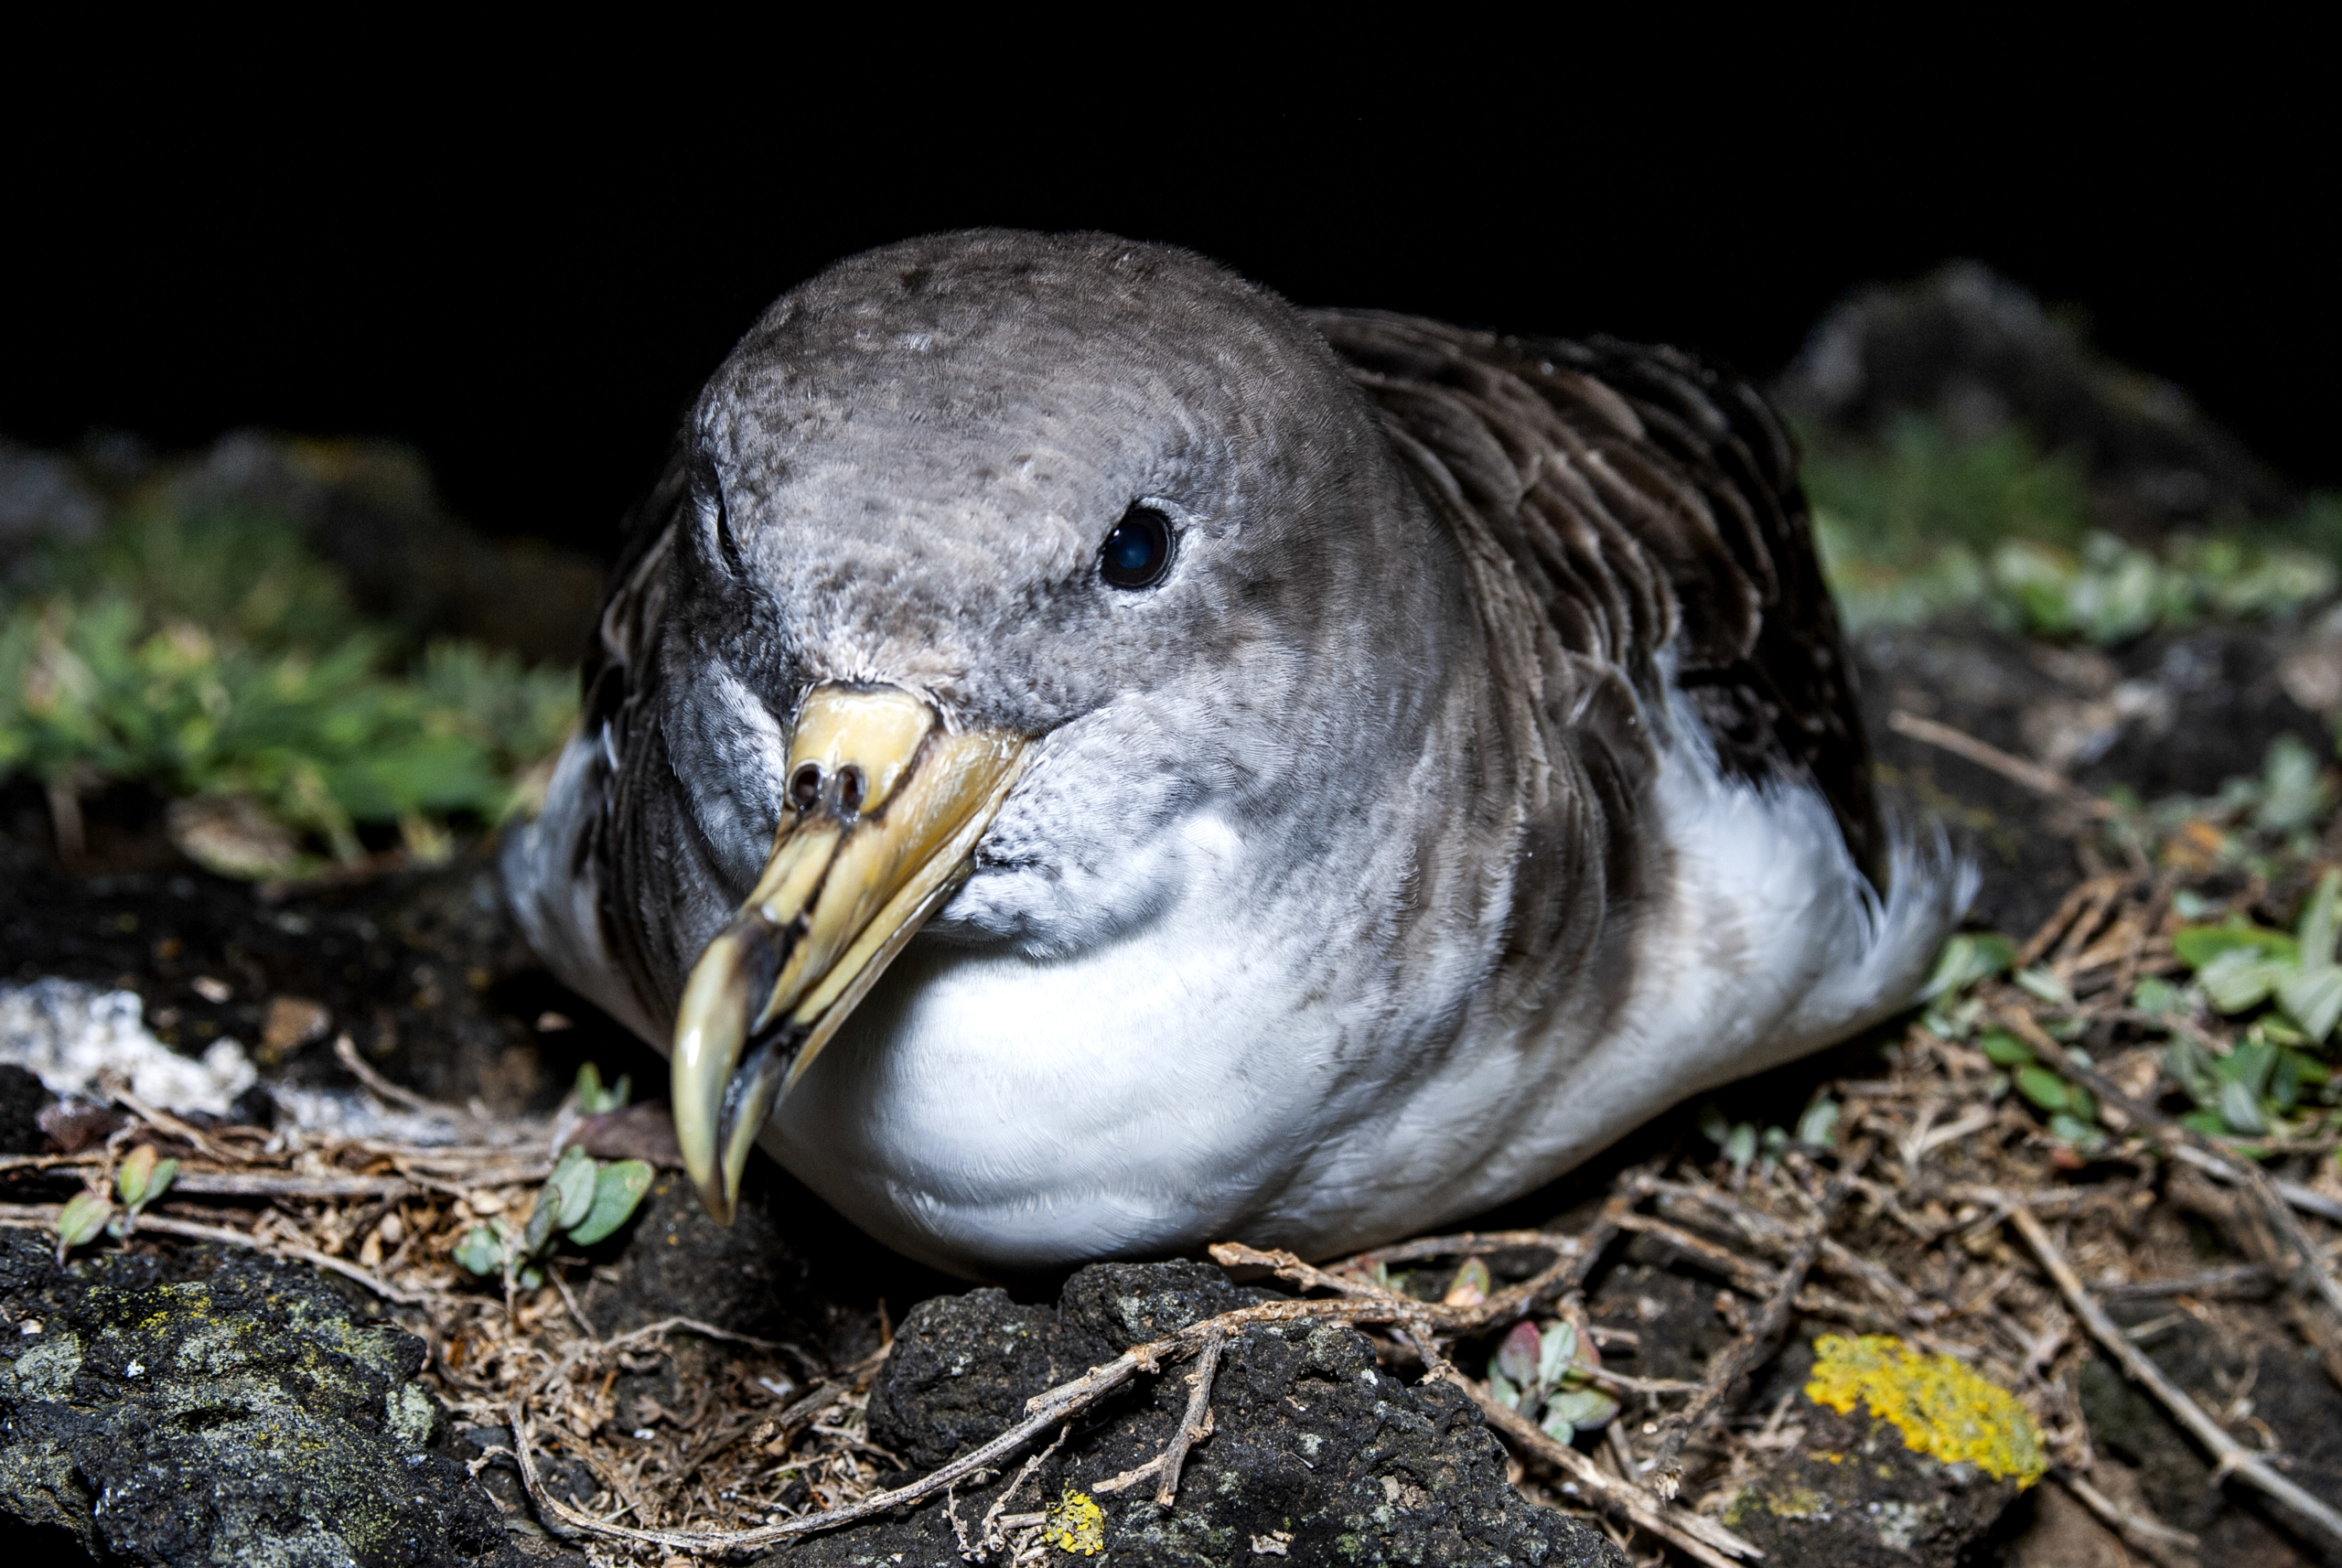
(212, 655)
(1922, 523)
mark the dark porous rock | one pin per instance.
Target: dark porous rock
(1129, 1304)
(786, 1268)
(22, 1100)
(1979, 352)
(1314, 1455)
(220, 1407)
(1852, 1494)
(1674, 1319)
(425, 970)
(961, 1368)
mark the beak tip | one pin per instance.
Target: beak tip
(720, 1201)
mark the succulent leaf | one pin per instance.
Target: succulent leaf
(1518, 1355)
(2042, 1087)
(1471, 1284)
(2240, 1108)
(570, 1188)
(1587, 1409)
(1741, 1148)
(1554, 1353)
(84, 1215)
(480, 1251)
(1817, 1127)
(1502, 1387)
(1967, 959)
(618, 1187)
(2004, 1049)
(541, 1221)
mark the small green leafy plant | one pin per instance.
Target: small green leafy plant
(1742, 1144)
(582, 1202)
(1968, 959)
(213, 656)
(592, 1098)
(1954, 1013)
(2241, 968)
(2070, 1107)
(1920, 486)
(142, 1177)
(1547, 1375)
(1923, 522)
(2263, 1078)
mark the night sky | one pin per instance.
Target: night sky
(534, 302)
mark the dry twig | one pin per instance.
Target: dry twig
(1195, 1424)
(2017, 770)
(2168, 1547)
(1751, 1347)
(1693, 1534)
(2231, 1457)
(2312, 1274)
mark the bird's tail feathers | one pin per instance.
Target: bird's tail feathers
(1930, 884)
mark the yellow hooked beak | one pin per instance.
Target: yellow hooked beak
(885, 808)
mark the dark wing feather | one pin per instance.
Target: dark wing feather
(628, 849)
(1646, 499)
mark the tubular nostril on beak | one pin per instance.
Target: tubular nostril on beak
(805, 785)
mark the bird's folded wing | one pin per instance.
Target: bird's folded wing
(1646, 502)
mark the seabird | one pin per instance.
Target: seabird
(1083, 760)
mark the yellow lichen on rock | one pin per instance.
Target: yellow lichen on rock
(1940, 1407)
(1076, 1524)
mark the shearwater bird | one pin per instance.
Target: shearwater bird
(1083, 760)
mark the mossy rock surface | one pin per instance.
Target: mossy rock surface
(224, 1408)
(1315, 1455)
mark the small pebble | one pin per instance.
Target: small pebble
(135, 1369)
(29, 1326)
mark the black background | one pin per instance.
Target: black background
(531, 293)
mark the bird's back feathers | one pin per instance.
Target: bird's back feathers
(1646, 503)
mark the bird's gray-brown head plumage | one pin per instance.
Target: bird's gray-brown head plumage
(1236, 745)
(905, 474)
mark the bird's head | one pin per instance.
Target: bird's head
(1004, 552)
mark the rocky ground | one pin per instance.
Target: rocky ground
(328, 1386)
(279, 1406)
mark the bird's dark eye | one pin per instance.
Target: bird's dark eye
(1137, 554)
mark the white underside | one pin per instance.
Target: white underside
(990, 1112)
